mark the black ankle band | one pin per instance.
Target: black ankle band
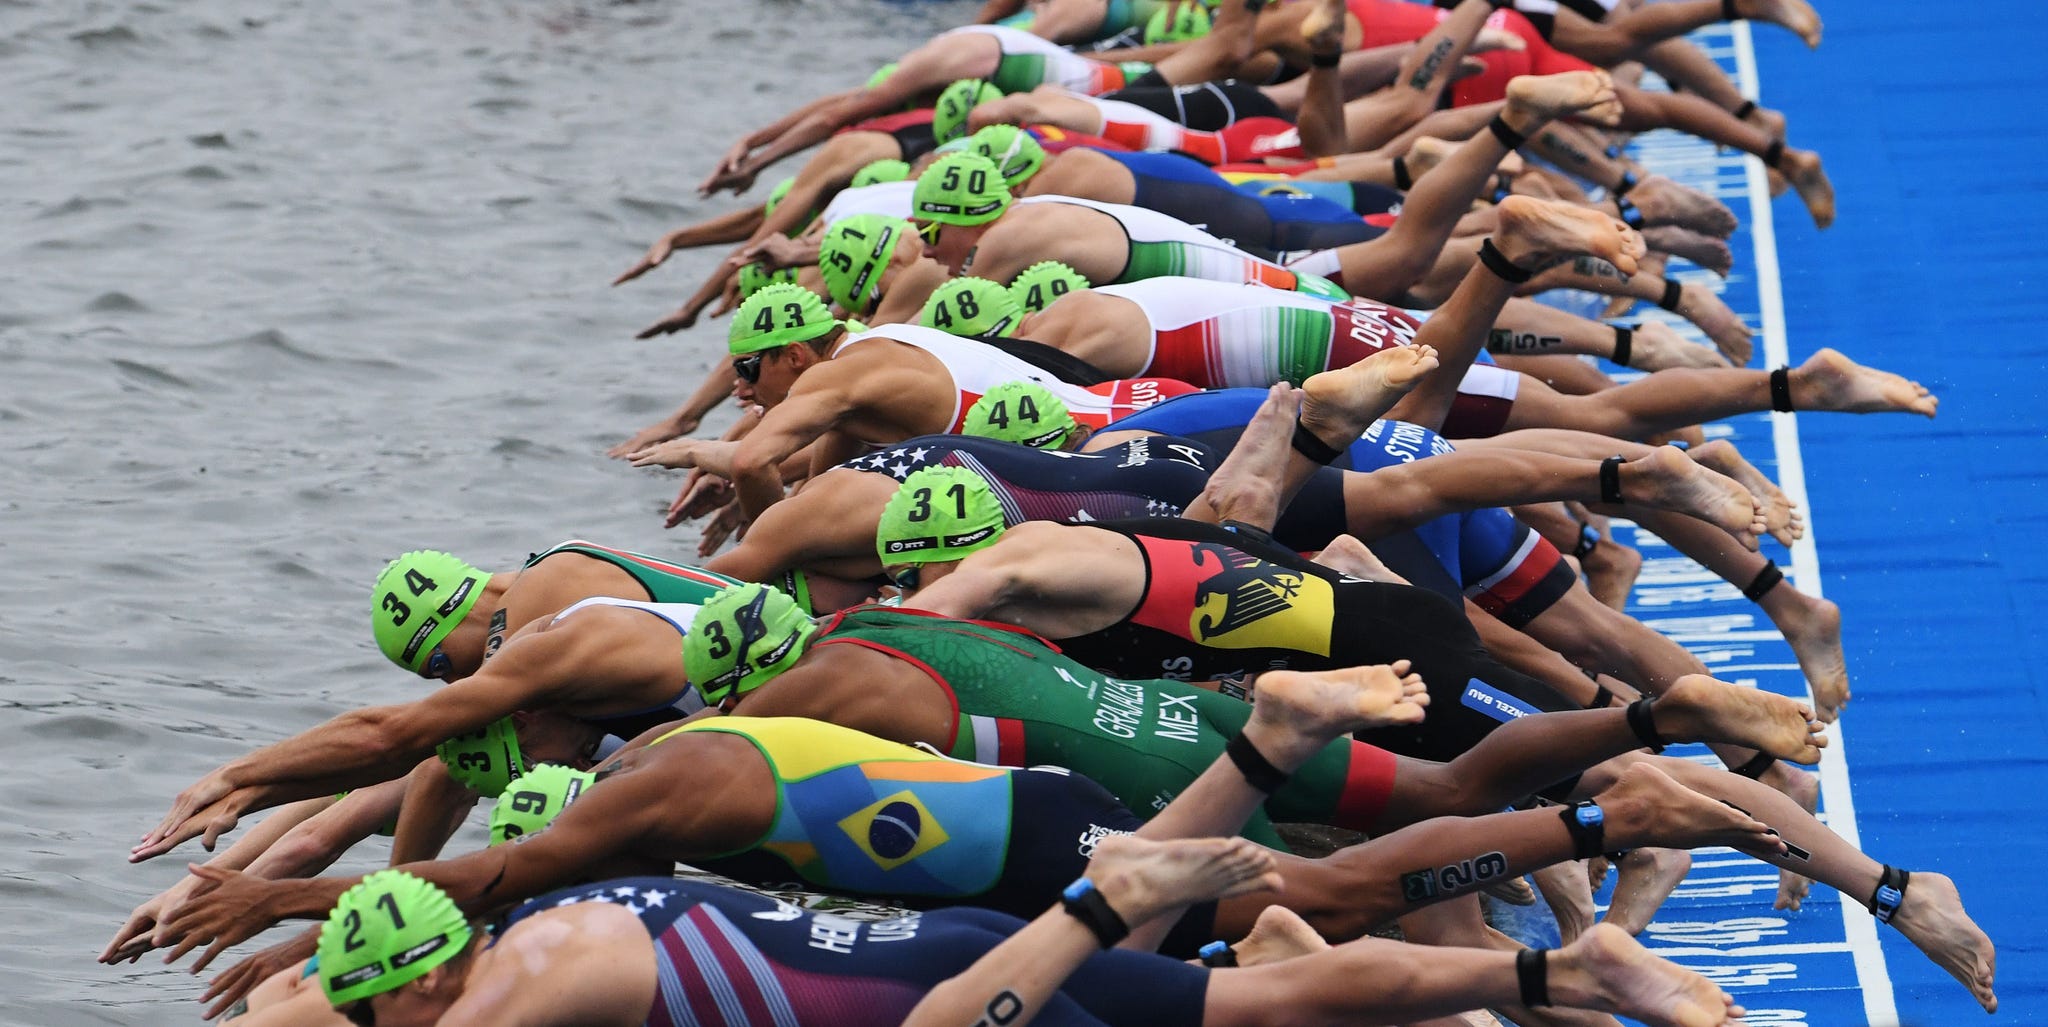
(1306, 443)
(1218, 954)
(1743, 112)
(1258, 771)
(1643, 722)
(1498, 263)
(1602, 699)
(1084, 903)
(1728, 12)
(1781, 390)
(1774, 153)
(1764, 581)
(1630, 216)
(1610, 481)
(1587, 824)
(1891, 891)
(1589, 540)
(1508, 137)
(1402, 179)
(1624, 344)
(1621, 188)
(1325, 60)
(1532, 972)
(1755, 768)
(1673, 292)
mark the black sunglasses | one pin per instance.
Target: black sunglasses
(360, 1014)
(749, 368)
(906, 579)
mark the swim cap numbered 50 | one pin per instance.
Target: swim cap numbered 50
(385, 933)
(938, 514)
(419, 598)
(960, 189)
(970, 306)
(534, 799)
(742, 638)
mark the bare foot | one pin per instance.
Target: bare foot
(1813, 628)
(1697, 708)
(1700, 248)
(1796, 15)
(1514, 891)
(1772, 122)
(1932, 918)
(1664, 202)
(1802, 787)
(1338, 405)
(1586, 95)
(1658, 345)
(1648, 876)
(1609, 971)
(1142, 878)
(1802, 168)
(1781, 515)
(1323, 27)
(1296, 713)
(1347, 555)
(1653, 264)
(1278, 934)
(1246, 486)
(1666, 479)
(1568, 891)
(1426, 153)
(1489, 39)
(1646, 808)
(1830, 381)
(1611, 570)
(1535, 232)
(1698, 304)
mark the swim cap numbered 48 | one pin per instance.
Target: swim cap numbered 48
(970, 306)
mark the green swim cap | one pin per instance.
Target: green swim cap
(960, 189)
(853, 256)
(884, 170)
(419, 598)
(742, 638)
(485, 759)
(757, 276)
(776, 194)
(881, 75)
(1012, 149)
(949, 114)
(777, 316)
(970, 306)
(1190, 22)
(1022, 412)
(534, 799)
(938, 514)
(1040, 285)
(387, 932)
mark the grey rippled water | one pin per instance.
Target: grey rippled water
(287, 288)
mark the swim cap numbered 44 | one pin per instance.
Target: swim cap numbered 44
(777, 316)
(419, 599)
(385, 933)
(742, 638)
(960, 189)
(1022, 412)
(938, 514)
(970, 306)
(534, 799)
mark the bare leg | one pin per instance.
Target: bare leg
(1646, 877)
(1701, 118)
(1569, 894)
(1370, 122)
(1526, 326)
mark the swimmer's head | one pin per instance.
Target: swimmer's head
(938, 515)
(776, 194)
(1025, 413)
(534, 799)
(855, 254)
(764, 337)
(1040, 285)
(885, 170)
(956, 101)
(388, 931)
(969, 307)
(419, 599)
(881, 75)
(757, 276)
(1191, 21)
(485, 759)
(1011, 149)
(956, 198)
(742, 638)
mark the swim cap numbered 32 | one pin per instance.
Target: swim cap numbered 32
(742, 638)
(419, 598)
(385, 933)
(938, 514)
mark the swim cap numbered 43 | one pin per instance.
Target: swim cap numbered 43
(777, 316)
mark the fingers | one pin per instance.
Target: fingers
(222, 945)
(667, 325)
(138, 922)
(154, 845)
(644, 265)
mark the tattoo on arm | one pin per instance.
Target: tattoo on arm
(1004, 1008)
(1509, 341)
(1432, 62)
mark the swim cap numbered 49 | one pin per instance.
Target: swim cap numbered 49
(1040, 285)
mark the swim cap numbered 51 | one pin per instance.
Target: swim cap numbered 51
(853, 256)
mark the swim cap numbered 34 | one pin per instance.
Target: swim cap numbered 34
(385, 933)
(419, 598)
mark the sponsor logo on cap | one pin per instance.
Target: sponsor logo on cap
(970, 538)
(455, 601)
(912, 545)
(419, 638)
(419, 952)
(358, 975)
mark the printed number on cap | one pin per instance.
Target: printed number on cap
(999, 415)
(921, 502)
(721, 646)
(420, 585)
(352, 940)
(1035, 299)
(535, 803)
(977, 180)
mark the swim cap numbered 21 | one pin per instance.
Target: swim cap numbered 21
(385, 933)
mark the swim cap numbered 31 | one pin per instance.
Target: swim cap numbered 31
(970, 306)
(742, 638)
(385, 933)
(1022, 412)
(419, 598)
(938, 514)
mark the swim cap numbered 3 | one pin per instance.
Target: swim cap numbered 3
(742, 638)
(757, 276)
(885, 170)
(970, 306)
(777, 316)
(960, 189)
(938, 514)
(853, 256)
(534, 799)
(419, 599)
(385, 933)
(1042, 284)
(956, 101)
(1022, 412)
(485, 759)
(1010, 149)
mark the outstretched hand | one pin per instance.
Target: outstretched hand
(226, 909)
(729, 522)
(729, 163)
(675, 453)
(205, 808)
(132, 940)
(660, 431)
(652, 259)
(237, 981)
(702, 493)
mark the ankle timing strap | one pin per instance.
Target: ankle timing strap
(1532, 972)
(1498, 263)
(1610, 481)
(1589, 540)
(1218, 954)
(1756, 767)
(1508, 137)
(1644, 722)
(1325, 60)
(1258, 771)
(1602, 698)
(1774, 153)
(1084, 903)
(1630, 216)
(1621, 188)
(1673, 292)
(1402, 179)
(1587, 824)
(1318, 451)
(1624, 344)
(1781, 390)
(1891, 891)
(1764, 581)
(1728, 12)
(1743, 112)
